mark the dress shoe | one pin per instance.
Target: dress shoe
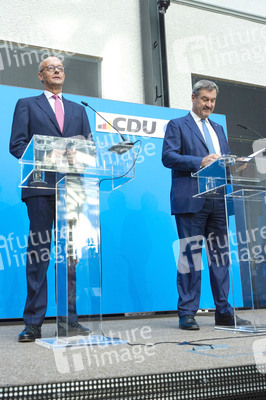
(229, 320)
(189, 323)
(30, 333)
(74, 329)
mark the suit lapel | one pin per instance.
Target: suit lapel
(194, 127)
(45, 106)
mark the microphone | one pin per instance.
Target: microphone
(119, 148)
(251, 130)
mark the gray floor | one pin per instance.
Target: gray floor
(29, 363)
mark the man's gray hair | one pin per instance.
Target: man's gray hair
(40, 66)
(204, 84)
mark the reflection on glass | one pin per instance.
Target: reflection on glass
(74, 155)
(79, 272)
(76, 169)
(242, 180)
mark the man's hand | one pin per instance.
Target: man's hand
(241, 165)
(56, 156)
(208, 160)
(71, 156)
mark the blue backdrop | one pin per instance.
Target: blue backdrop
(139, 236)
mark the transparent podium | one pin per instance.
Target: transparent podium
(241, 182)
(76, 170)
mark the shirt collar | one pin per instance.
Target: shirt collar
(197, 118)
(50, 94)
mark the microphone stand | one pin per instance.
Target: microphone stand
(119, 148)
(251, 130)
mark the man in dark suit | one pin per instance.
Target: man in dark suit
(49, 114)
(193, 142)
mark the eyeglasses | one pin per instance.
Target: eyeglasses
(52, 68)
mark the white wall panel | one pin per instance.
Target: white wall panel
(101, 28)
(212, 44)
(256, 7)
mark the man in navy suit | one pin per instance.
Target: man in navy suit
(40, 115)
(188, 147)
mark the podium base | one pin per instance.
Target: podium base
(90, 340)
(243, 329)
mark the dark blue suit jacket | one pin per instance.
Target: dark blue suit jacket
(183, 150)
(34, 116)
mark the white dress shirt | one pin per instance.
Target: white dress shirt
(213, 134)
(49, 96)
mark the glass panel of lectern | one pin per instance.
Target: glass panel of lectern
(241, 182)
(76, 170)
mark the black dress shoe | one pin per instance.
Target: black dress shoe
(30, 333)
(189, 323)
(229, 320)
(73, 328)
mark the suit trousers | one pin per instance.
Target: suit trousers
(209, 226)
(41, 212)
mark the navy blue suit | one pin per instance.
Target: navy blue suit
(34, 115)
(183, 150)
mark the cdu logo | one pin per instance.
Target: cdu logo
(131, 125)
(134, 125)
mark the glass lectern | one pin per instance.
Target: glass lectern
(241, 182)
(76, 170)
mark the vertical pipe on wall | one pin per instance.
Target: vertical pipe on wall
(163, 50)
(154, 56)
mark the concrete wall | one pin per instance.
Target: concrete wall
(212, 44)
(101, 28)
(198, 41)
(256, 7)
